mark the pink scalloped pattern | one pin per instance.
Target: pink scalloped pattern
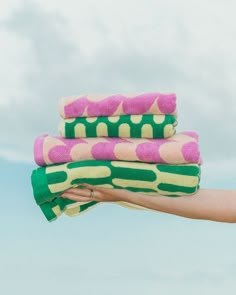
(119, 105)
(179, 149)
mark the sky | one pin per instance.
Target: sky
(50, 49)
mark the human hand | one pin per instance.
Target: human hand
(93, 193)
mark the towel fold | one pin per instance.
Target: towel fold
(118, 104)
(52, 210)
(50, 181)
(182, 148)
(137, 126)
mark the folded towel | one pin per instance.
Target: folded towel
(115, 105)
(138, 126)
(52, 210)
(49, 181)
(182, 148)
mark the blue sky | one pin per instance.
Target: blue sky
(108, 250)
(55, 48)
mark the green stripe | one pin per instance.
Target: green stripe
(112, 132)
(135, 131)
(39, 184)
(87, 163)
(113, 127)
(84, 207)
(180, 169)
(56, 177)
(176, 188)
(91, 181)
(137, 189)
(69, 130)
(133, 174)
(47, 211)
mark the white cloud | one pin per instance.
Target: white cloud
(59, 48)
(7, 7)
(16, 65)
(15, 155)
(219, 172)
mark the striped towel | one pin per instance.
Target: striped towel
(170, 180)
(131, 126)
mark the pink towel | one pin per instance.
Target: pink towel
(116, 105)
(178, 149)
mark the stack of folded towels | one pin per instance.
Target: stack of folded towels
(116, 141)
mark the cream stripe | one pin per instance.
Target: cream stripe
(124, 130)
(61, 128)
(176, 179)
(158, 119)
(136, 118)
(70, 120)
(113, 119)
(147, 131)
(102, 130)
(145, 166)
(91, 119)
(133, 183)
(168, 130)
(76, 210)
(80, 130)
(57, 210)
(96, 97)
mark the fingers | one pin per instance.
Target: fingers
(76, 198)
(78, 194)
(99, 194)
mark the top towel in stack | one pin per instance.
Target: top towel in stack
(150, 115)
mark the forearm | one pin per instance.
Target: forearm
(208, 204)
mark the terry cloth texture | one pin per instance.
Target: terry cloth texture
(48, 182)
(182, 148)
(118, 142)
(118, 104)
(137, 126)
(170, 180)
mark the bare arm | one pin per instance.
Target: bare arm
(209, 204)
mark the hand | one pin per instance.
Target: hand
(99, 194)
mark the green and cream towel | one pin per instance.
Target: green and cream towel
(50, 181)
(126, 126)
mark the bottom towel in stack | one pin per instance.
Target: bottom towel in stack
(50, 181)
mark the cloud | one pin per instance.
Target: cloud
(91, 47)
(219, 172)
(15, 67)
(35, 53)
(15, 155)
(7, 8)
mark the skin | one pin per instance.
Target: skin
(206, 204)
